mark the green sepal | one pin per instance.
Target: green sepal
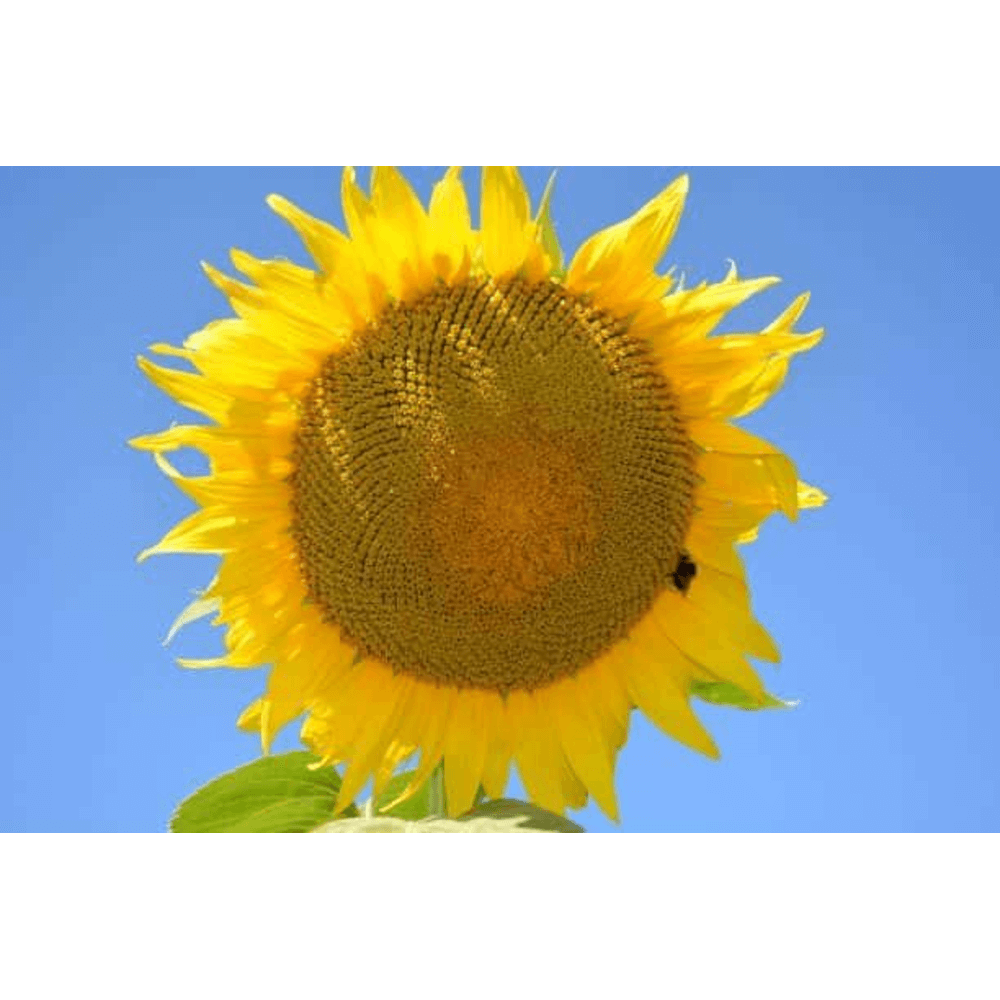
(417, 806)
(496, 816)
(724, 693)
(275, 794)
(550, 242)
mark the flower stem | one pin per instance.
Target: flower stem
(436, 801)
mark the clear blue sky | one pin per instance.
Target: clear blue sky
(882, 602)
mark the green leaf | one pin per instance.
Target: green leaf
(498, 816)
(724, 693)
(550, 242)
(520, 815)
(275, 794)
(417, 806)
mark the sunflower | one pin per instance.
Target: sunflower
(475, 505)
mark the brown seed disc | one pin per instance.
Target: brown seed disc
(491, 485)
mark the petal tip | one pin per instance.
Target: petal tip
(611, 810)
(217, 277)
(213, 274)
(810, 496)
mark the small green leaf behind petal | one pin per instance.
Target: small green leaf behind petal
(547, 229)
(417, 806)
(497, 816)
(275, 794)
(723, 693)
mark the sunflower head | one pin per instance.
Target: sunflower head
(471, 504)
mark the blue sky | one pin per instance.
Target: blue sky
(882, 602)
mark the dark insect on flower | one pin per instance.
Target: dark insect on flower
(684, 573)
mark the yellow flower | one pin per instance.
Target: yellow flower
(470, 504)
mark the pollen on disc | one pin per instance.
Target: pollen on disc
(491, 485)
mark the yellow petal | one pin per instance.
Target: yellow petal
(507, 232)
(705, 641)
(197, 609)
(656, 694)
(464, 751)
(574, 791)
(769, 481)
(451, 227)
(307, 661)
(728, 518)
(367, 722)
(394, 200)
(718, 435)
(539, 756)
(449, 208)
(193, 391)
(712, 548)
(743, 400)
(580, 734)
(240, 296)
(236, 493)
(357, 209)
(324, 242)
(400, 232)
(249, 720)
(397, 752)
(810, 496)
(786, 320)
(293, 290)
(204, 531)
(733, 375)
(425, 724)
(496, 766)
(726, 599)
(689, 316)
(733, 362)
(265, 717)
(618, 264)
(601, 686)
(285, 329)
